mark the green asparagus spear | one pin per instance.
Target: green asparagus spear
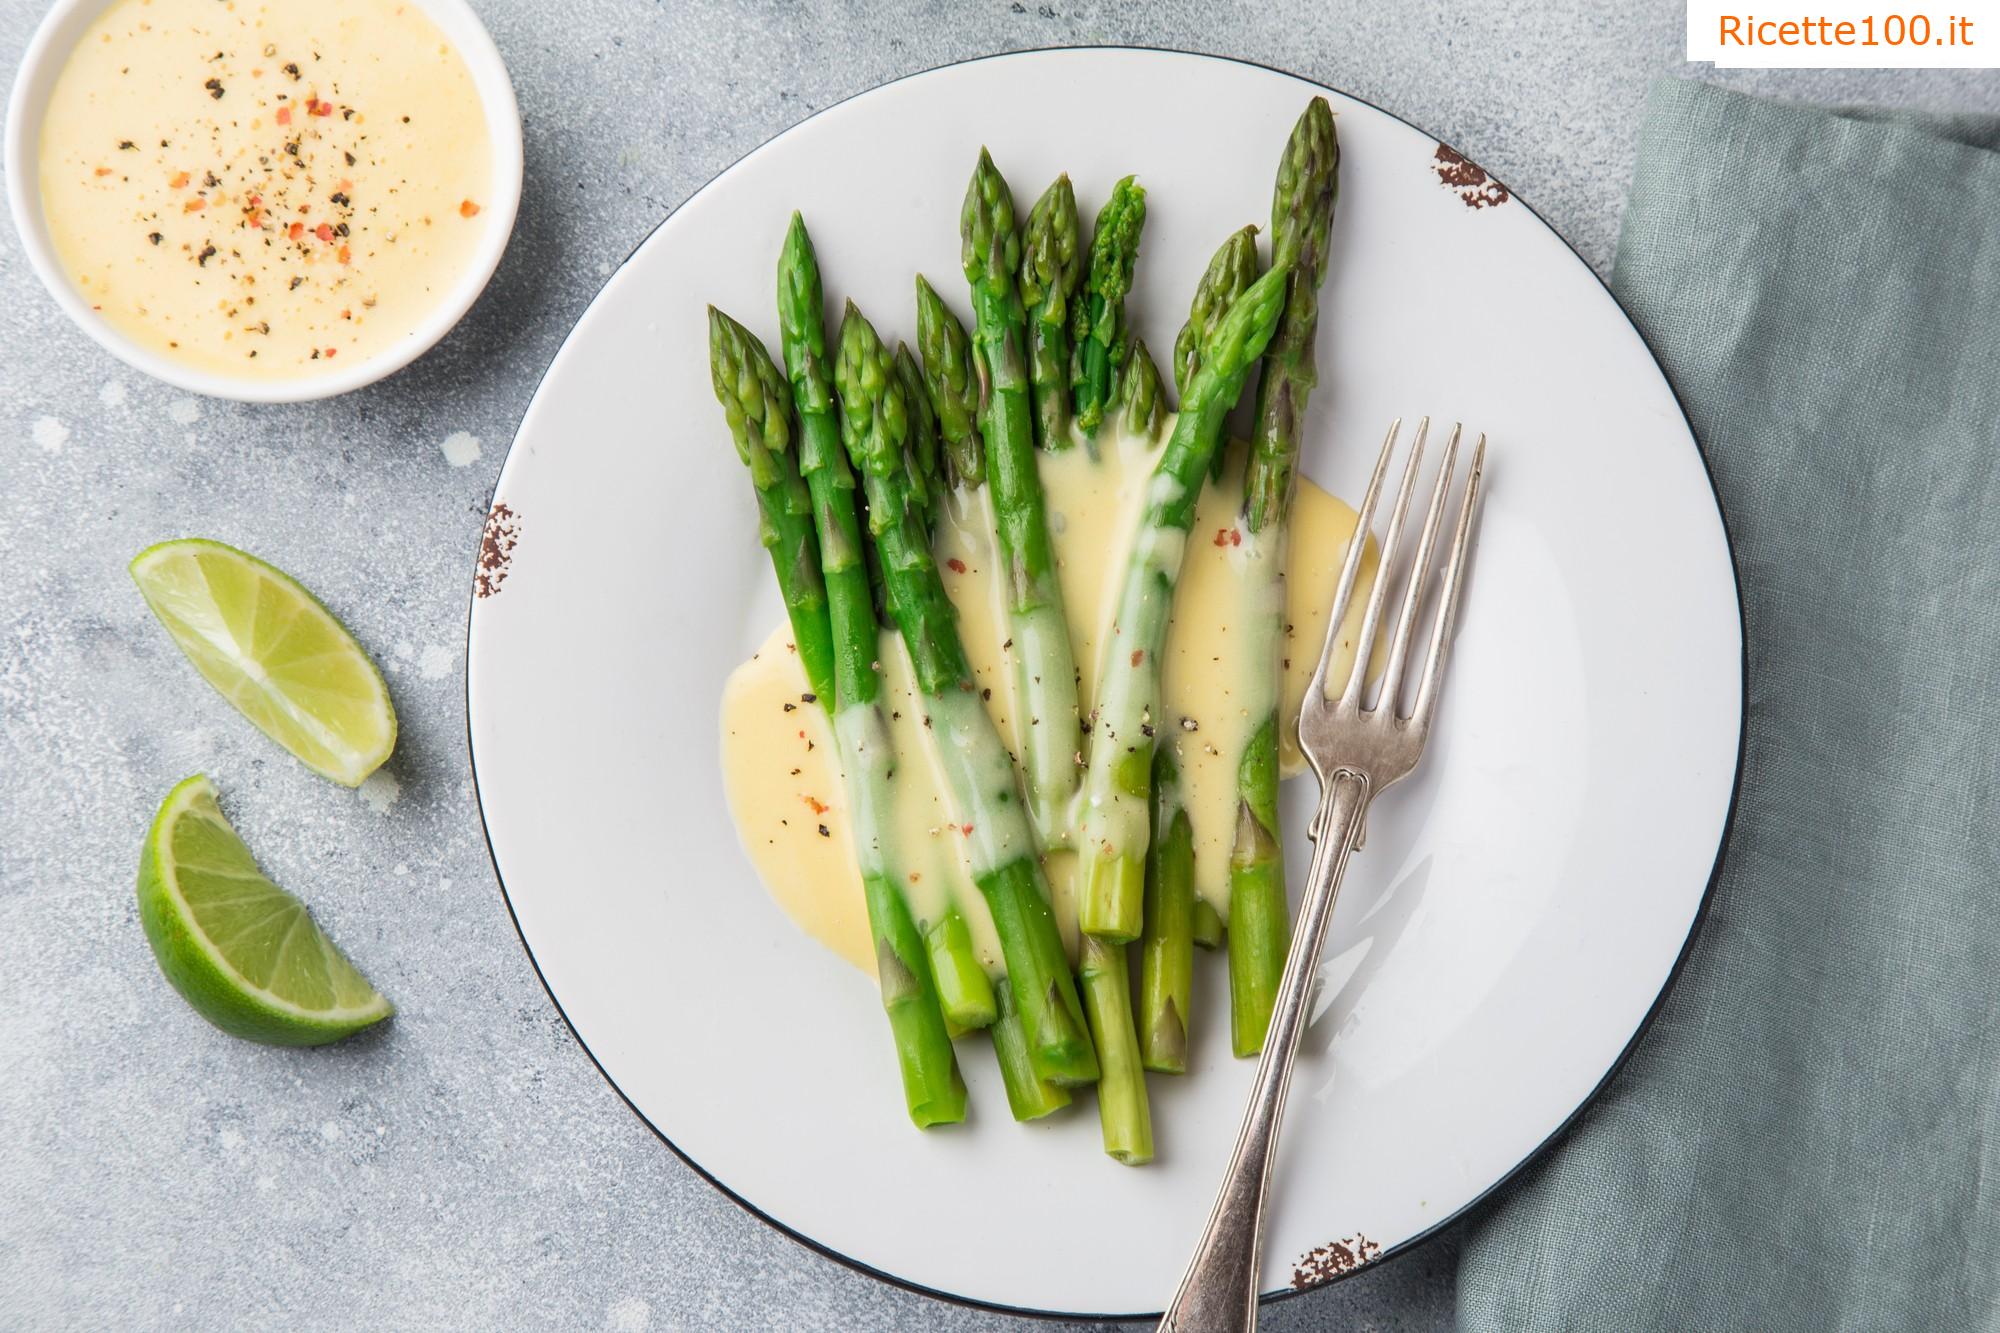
(964, 990)
(923, 450)
(1043, 662)
(952, 389)
(933, 1092)
(1122, 1109)
(952, 382)
(1029, 1095)
(1115, 832)
(1208, 931)
(1301, 233)
(1000, 846)
(756, 403)
(1301, 228)
(1229, 275)
(1225, 281)
(1142, 402)
(1166, 942)
(1052, 262)
(1260, 927)
(1100, 334)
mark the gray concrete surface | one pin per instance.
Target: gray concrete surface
(467, 1167)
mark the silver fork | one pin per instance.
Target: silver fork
(1357, 752)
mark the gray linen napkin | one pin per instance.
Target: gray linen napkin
(1809, 1137)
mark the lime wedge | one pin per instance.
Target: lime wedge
(241, 950)
(273, 651)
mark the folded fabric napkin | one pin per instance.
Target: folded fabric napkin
(1809, 1136)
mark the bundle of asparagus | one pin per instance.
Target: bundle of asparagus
(1049, 359)
(812, 534)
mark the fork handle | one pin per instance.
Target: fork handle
(1218, 1293)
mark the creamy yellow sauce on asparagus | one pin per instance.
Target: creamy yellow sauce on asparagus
(265, 188)
(781, 764)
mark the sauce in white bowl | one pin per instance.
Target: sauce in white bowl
(265, 199)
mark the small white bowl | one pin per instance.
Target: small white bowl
(47, 53)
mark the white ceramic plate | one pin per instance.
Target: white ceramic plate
(1522, 902)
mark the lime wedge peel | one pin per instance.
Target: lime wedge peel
(270, 648)
(245, 953)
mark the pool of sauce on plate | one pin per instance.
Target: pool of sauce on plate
(265, 188)
(781, 768)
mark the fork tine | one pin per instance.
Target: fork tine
(1351, 566)
(1364, 647)
(1420, 574)
(1420, 712)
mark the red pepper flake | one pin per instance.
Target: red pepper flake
(256, 199)
(179, 182)
(955, 565)
(325, 233)
(1222, 536)
(818, 807)
(296, 230)
(345, 256)
(103, 171)
(332, 352)
(966, 829)
(1235, 536)
(318, 108)
(1138, 656)
(284, 115)
(467, 208)
(194, 205)
(253, 218)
